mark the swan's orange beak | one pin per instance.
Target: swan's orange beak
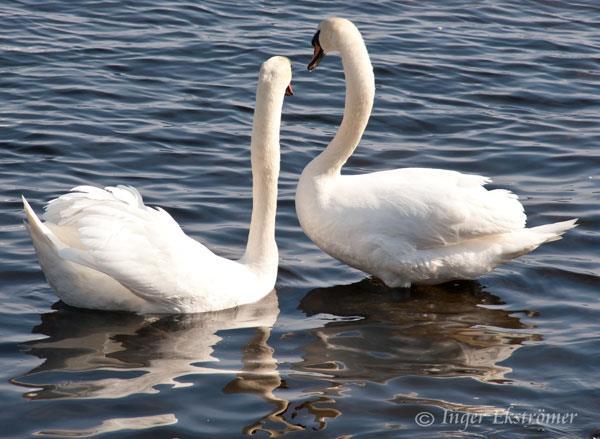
(289, 91)
(316, 59)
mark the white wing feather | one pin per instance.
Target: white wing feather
(141, 247)
(427, 207)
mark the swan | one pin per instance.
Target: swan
(404, 226)
(105, 249)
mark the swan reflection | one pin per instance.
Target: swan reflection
(377, 334)
(351, 335)
(114, 355)
(447, 330)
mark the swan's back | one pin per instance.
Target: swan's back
(442, 207)
(424, 207)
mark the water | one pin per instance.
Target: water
(160, 95)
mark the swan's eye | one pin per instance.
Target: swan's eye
(315, 40)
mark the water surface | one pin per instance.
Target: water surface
(159, 95)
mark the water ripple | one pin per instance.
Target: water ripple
(160, 95)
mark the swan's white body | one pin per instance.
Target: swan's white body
(404, 226)
(104, 249)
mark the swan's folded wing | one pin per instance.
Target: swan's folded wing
(141, 247)
(433, 207)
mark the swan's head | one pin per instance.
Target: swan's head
(277, 73)
(332, 34)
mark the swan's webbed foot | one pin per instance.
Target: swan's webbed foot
(375, 281)
(394, 293)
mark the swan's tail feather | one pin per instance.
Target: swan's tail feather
(554, 232)
(37, 229)
(521, 242)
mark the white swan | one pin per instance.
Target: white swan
(404, 226)
(104, 249)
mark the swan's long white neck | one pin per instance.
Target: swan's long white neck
(261, 250)
(360, 91)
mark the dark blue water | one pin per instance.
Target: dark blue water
(160, 95)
